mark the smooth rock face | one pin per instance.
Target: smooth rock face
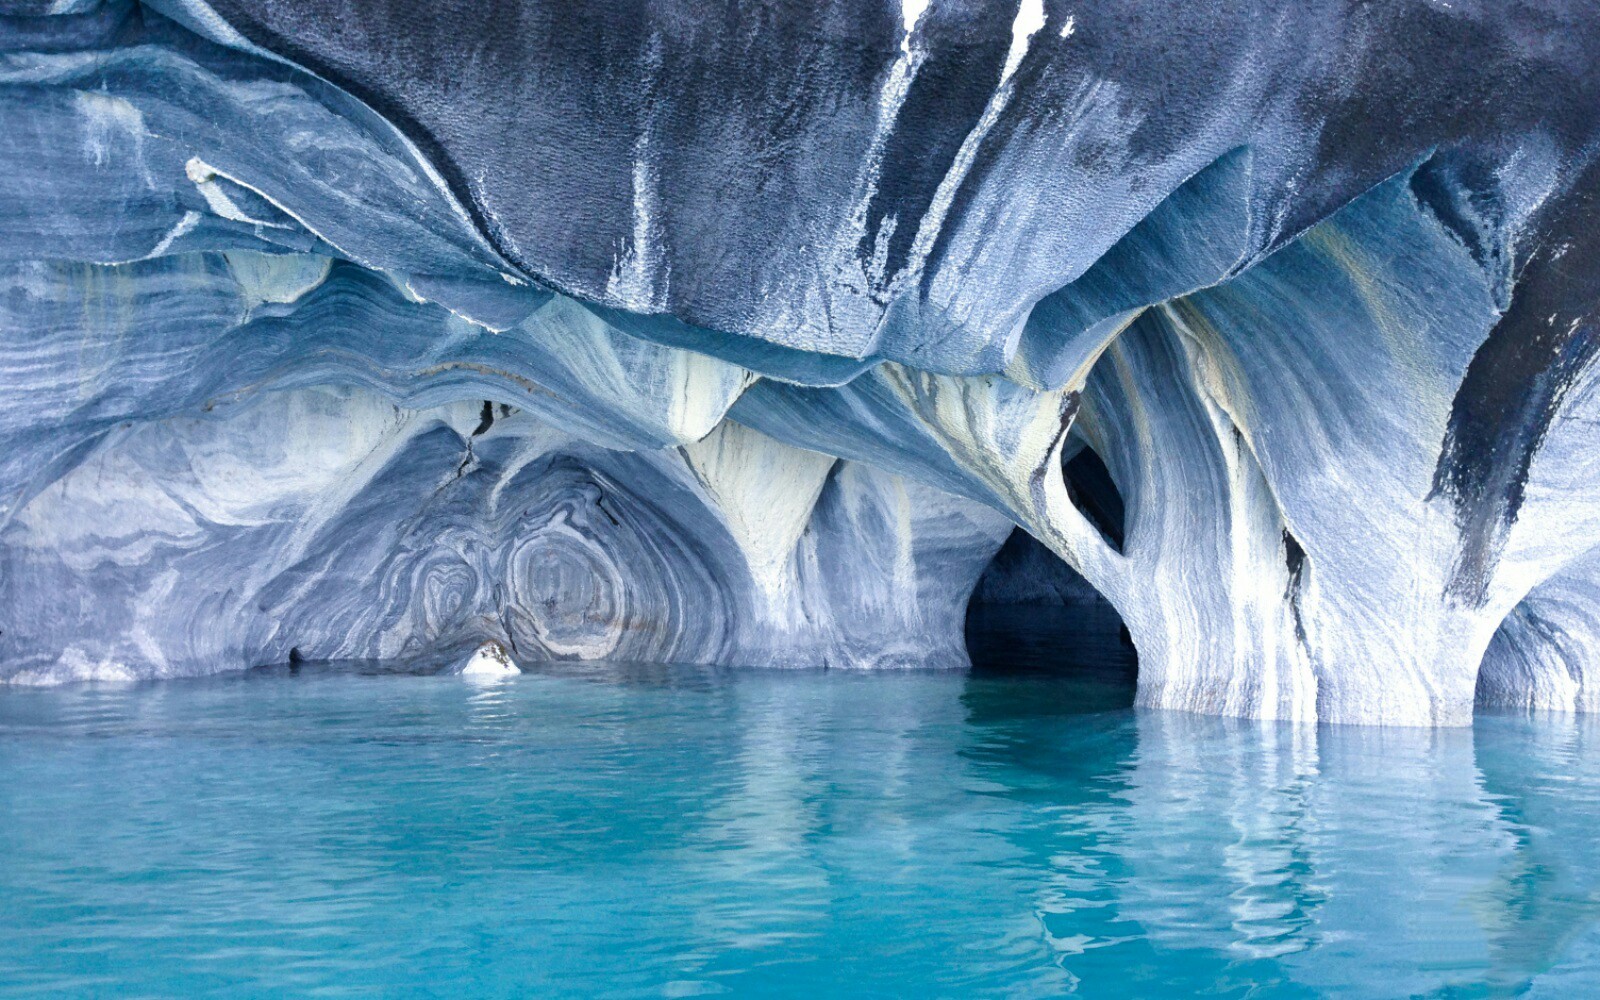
(747, 335)
(331, 525)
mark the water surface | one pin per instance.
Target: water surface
(658, 831)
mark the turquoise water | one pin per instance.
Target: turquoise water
(678, 832)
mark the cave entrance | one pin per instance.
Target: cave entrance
(1033, 615)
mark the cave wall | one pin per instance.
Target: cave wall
(747, 334)
(334, 525)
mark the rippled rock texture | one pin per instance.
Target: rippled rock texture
(747, 333)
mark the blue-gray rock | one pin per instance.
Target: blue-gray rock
(747, 333)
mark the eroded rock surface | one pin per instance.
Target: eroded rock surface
(747, 334)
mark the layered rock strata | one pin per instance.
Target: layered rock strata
(354, 329)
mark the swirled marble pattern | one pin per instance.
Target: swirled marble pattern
(348, 528)
(648, 329)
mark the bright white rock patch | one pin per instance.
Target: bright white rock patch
(490, 660)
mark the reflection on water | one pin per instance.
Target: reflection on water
(678, 831)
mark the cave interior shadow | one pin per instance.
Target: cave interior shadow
(1035, 625)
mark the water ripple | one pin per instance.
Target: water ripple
(666, 831)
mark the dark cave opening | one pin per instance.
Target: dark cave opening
(1095, 494)
(1033, 615)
